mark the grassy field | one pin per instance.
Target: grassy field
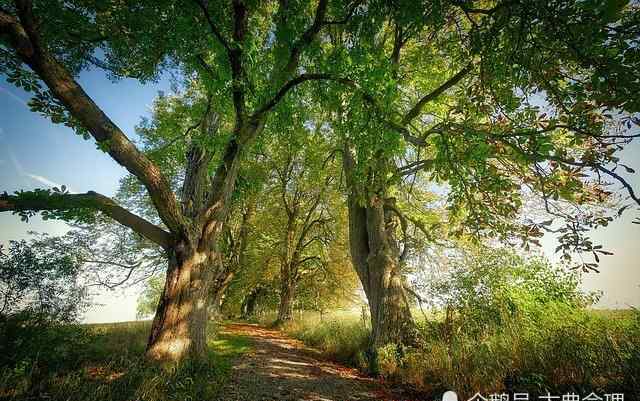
(104, 362)
(561, 350)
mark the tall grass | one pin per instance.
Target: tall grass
(557, 349)
(340, 336)
(107, 364)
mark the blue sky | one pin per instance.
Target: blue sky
(34, 153)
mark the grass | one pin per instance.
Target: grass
(341, 336)
(559, 350)
(106, 363)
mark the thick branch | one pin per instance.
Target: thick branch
(26, 42)
(287, 87)
(294, 59)
(413, 168)
(196, 180)
(235, 58)
(413, 113)
(214, 29)
(306, 38)
(90, 200)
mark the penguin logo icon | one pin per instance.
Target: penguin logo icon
(450, 396)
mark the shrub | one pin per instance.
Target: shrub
(39, 281)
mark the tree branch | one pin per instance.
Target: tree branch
(25, 40)
(90, 200)
(306, 38)
(294, 58)
(235, 58)
(216, 32)
(287, 87)
(413, 113)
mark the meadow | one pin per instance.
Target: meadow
(559, 350)
(105, 362)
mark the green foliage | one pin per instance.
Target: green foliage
(485, 288)
(149, 298)
(108, 365)
(43, 101)
(52, 205)
(499, 318)
(39, 283)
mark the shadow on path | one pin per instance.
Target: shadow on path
(280, 368)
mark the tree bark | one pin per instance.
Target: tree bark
(179, 326)
(375, 255)
(285, 309)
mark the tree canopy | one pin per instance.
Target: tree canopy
(474, 108)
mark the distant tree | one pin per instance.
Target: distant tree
(483, 287)
(234, 254)
(305, 210)
(42, 283)
(148, 299)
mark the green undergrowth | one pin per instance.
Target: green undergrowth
(342, 336)
(105, 362)
(556, 349)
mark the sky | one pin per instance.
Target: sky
(35, 153)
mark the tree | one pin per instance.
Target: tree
(491, 101)
(247, 79)
(148, 299)
(40, 282)
(305, 206)
(234, 255)
(486, 286)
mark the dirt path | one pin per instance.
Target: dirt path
(280, 368)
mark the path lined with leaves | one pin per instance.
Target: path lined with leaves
(280, 368)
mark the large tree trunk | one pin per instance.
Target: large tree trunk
(285, 309)
(179, 326)
(376, 258)
(375, 255)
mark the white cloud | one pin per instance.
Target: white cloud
(35, 177)
(44, 180)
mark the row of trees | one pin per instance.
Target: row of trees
(367, 104)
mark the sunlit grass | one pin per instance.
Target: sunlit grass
(564, 349)
(110, 366)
